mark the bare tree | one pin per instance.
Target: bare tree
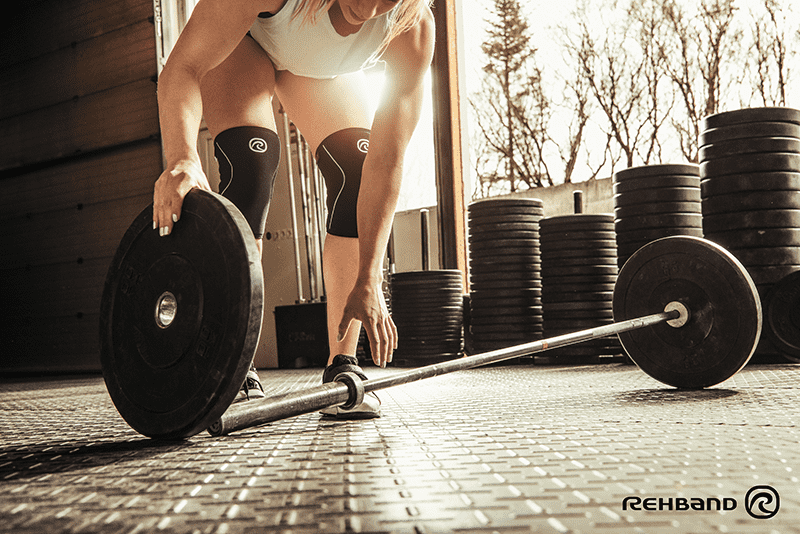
(772, 53)
(696, 51)
(577, 90)
(511, 111)
(645, 18)
(622, 66)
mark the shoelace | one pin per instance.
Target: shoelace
(251, 383)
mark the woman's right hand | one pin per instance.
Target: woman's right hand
(170, 190)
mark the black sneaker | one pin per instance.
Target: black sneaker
(252, 388)
(370, 408)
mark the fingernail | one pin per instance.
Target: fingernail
(174, 218)
(155, 225)
(163, 231)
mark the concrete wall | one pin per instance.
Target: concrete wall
(558, 200)
(598, 197)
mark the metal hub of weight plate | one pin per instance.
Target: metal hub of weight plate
(782, 316)
(725, 311)
(181, 317)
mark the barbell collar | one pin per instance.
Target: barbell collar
(355, 387)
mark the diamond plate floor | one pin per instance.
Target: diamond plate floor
(501, 449)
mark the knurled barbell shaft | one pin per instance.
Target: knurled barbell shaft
(258, 412)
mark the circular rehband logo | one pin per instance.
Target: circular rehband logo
(258, 145)
(762, 502)
(363, 145)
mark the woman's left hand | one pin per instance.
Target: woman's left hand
(367, 304)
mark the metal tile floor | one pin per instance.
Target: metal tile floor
(500, 449)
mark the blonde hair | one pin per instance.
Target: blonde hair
(405, 16)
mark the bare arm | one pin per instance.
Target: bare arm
(214, 30)
(408, 58)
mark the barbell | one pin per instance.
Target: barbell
(181, 316)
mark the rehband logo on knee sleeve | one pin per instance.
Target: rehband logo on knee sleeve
(363, 145)
(258, 145)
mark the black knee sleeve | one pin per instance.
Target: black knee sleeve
(340, 158)
(248, 158)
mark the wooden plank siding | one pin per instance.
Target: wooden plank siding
(79, 127)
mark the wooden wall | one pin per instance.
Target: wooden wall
(80, 153)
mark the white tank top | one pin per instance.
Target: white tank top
(317, 50)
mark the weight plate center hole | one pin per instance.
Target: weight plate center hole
(166, 309)
(683, 312)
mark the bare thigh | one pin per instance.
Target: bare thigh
(239, 91)
(321, 107)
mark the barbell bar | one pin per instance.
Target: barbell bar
(347, 388)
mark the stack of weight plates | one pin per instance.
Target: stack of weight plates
(579, 270)
(750, 167)
(655, 201)
(505, 272)
(428, 310)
